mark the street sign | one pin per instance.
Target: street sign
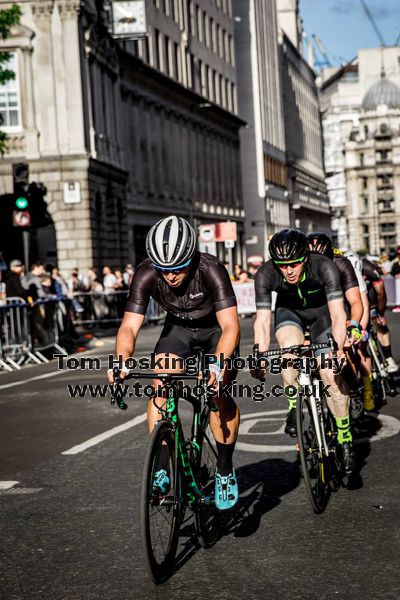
(21, 218)
(226, 231)
(207, 233)
(72, 192)
(229, 244)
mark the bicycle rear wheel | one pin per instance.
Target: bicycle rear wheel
(160, 515)
(207, 515)
(314, 465)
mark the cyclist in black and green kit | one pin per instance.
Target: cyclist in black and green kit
(309, 295)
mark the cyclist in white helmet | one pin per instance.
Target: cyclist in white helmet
(196, 292)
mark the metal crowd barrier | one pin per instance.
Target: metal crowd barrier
(101, 307)
(15, 335)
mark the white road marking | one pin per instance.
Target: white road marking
(390, 426)
(106, 435)
(6, 485)
(29, 379)
(53, 374)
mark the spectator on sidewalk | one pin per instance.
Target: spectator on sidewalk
(128, 274)
(60, 285)
(32, 282)
(13, 281)
(385, 264)
(48, 285)
(240, 275)
(109, 280)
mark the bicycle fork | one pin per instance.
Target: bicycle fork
(316, 412)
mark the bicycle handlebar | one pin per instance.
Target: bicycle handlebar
(298, 348)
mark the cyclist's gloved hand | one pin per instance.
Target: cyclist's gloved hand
(354, 332)
(215, 375)
(122, 373)
(365, 335)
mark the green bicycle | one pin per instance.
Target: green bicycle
(191, 469)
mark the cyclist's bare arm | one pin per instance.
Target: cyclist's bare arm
(126, 337)
(365, 318)
(353, 297)
(262, 328)
(379, 288)
(229, 322)
(338, 318)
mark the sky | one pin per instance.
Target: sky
(344, 27)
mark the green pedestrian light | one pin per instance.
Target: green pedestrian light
(21, 202)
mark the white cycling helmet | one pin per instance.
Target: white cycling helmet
(355, 260)
(170, 243)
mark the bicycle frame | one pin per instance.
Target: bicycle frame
(316, 410)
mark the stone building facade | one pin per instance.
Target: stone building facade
(125, 133)
(304, 150)
(263, 140)
(361, 104)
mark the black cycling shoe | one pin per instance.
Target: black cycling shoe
(348, 463)
(290, 427)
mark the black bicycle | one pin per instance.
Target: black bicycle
(316, 428)
(191, 469)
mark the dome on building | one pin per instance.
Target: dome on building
(382, 92)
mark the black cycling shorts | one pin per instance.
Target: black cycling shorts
(317, 320)
(178, 339)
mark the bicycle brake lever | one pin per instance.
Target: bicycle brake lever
(115, 396)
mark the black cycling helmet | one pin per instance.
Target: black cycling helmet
(320, 243)
(288, 245)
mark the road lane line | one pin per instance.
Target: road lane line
(52, 374)
(15, 383)
(6, 485)
(104, 436)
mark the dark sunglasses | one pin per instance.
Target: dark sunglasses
(175, 270)
(293, 263)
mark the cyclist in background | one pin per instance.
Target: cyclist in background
(377, 300)
(309, 295)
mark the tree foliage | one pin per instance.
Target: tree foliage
(8, 18)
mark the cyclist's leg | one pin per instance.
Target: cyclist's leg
(171, 351)
(384, 339)
(224, 424)
(289, 331)
(337, 395)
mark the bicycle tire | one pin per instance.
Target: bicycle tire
(160, 562)
(207, 516)
(315, 468)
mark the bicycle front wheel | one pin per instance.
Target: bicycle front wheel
(207, 515)
(160, 513)
(314, 464)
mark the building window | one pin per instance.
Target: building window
(366, 131)
(206, 31)
(365, 237)
(388, 227)
(361, 159)
(10, 104)
(167, 56)
(366, 204)
(199, 24)
(226, 47)
(231, 51)
(176, 74)
(365, 182)
(166, 7)
(157, 42)
(386, 205)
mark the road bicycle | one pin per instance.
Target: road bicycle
(316, 428)
(192, 464)
(382, 381)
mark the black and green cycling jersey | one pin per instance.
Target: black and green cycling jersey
(319, 284)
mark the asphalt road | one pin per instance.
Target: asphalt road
(70, 522)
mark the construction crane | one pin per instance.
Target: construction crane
(318, 43)
(373, 22)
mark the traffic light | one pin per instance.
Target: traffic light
(21, 186)
(37, 205)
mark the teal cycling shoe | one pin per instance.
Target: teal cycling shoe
(161, 482)
(226, 490)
